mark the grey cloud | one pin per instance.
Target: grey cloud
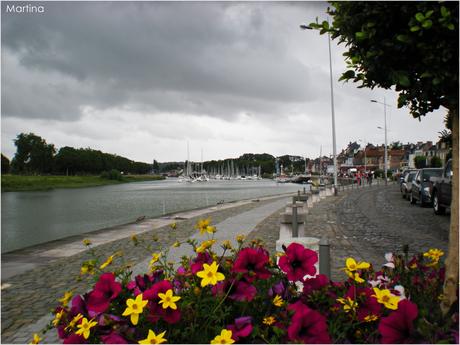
(217, 59)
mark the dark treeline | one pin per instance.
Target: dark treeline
(35, 156)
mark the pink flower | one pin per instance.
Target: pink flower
(156, 310)
(240, 290)
(367, 305)
(307, 325)
(114, 338)
(74, 339)
(241, 328)
(298, 262)
(142, 283)
(252, 262)
(398, 326)
(197, 263)
(106, 290)
(316, 283)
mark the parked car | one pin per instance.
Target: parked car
(442, 189)
(403, 175)
(406, 186)
(422, 185)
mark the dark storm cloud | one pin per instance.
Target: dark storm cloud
(217, 59)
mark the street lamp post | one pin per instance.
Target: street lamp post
(386, 147)
(334, 151)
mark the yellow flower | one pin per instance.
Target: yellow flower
(135, 307)
(205, 245)
(36, 339)
(152, 338)
(107, 262)
(434, 255)
(74, 321)
(278, 301)
(348, 304)
(240, 238)
(352, 265)
(67, 296)
(226, 244)
(280, 254)
(58, 317)
(168, 300)
(209, 274)
(134, 239)
(202, 225)
(355, 276)
(269, 320)
(176, 244)
(154, 260)
(84, 327)
(225, 337)
(87, 242)
(173, 226)
(371, 317)
(87, 268)
(386, 298)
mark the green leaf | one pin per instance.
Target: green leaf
(415, 28)
(428, 14)
(451, 26)
(370, 24)
(325, 25)
(444, 11)
(427, 24)
(425, 75)
(403, 80)
(436, 81)
(403, 38)
(347, 75)
(420, 17)
(360, 35)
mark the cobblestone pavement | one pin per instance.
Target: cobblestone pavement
(31, 295)
(365, 224)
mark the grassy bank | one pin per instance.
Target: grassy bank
(18, 183)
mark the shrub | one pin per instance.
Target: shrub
(112, 175)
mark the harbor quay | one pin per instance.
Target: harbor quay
(363, 223)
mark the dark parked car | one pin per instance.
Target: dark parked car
(442, 189)
(406, 186)
(403, 175)
(422, 185)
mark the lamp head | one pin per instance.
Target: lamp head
(373, 100)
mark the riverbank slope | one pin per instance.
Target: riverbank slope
(22, 183)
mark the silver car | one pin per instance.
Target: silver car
(406, 186)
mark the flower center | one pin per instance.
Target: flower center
(385, 299)
(352, 266)
(134, 306)
(210, 274)
(296, 263)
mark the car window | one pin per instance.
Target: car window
(411, 177)
(432, 173)
(448, 167)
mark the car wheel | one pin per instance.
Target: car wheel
(404, 193)
(412, 200)
(438, 209)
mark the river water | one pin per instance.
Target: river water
(30, 218)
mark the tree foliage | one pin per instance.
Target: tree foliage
(420, 162)
(436, 162)
(411, 46)
(33, 155)
(5, 165)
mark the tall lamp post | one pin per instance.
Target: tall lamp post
(334, 151)
(385, 105)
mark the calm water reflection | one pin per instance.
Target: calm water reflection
(30, 218)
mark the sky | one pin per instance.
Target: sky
(143, 79)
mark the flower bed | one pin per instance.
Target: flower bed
(246, 296)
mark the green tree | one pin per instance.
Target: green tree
(5, 165)
(413, 48)
(33, 155)
(420, 162)
(436, 162)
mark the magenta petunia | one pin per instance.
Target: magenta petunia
(307, 325)
(197, 264)
(242, 327)
(157, 312)
(367, 304)
(316, 283)
(398, 327)
(144, 282)
(114, 338)
(104, 292)
(240, 291)
(252, 263)
(298, 262)
(74, 339)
